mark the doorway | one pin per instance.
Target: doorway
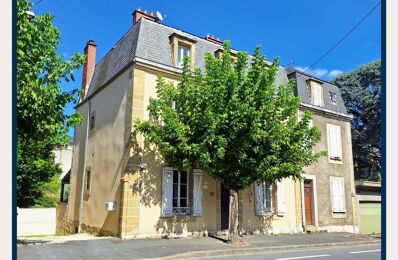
(308, 202)
(224, 208)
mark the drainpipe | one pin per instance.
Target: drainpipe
(302, 206)
(84, 167)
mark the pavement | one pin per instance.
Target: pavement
(83, 246)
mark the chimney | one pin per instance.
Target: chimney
(88, 67)
(138, 14)
(214, 39)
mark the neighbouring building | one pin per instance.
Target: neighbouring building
(369, 206)
(119, 187)
(63, 155)
(328, 191)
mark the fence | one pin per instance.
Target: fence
(36, 221)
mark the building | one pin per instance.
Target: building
(328, 191)
(369, 206)
(120, 188)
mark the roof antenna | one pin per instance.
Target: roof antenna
(159, 16)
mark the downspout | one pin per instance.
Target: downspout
(84, 167)
(302, 206)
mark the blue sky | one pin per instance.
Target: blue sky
(299, 32)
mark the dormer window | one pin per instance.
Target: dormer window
(333, 97)
(316, 91)
(181, 47)
(183, 51)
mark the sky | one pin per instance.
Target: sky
(299, 32)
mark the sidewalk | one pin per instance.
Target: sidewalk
(107, 248)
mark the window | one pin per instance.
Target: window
(334, 143)
(87, 181)
(181, 47)
(180, 192)
(263, 198)
(333, 97)
(183, 51)
(92, 120)
(338, 198)
(316, 93)
(65, 192)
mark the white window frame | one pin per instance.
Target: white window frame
(261, 199)
(181, 210)
(180, 53)
(339, 198)
(335, 154)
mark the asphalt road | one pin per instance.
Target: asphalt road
(370, 252)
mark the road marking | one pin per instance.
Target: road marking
(301, 257)
(366, 251)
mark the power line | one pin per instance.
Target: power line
(34, 4)
(342, 39)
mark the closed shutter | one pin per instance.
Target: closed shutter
(334, 141)
(197, 192)
(167, 192)
(316, 90)
(280, 196)
(260, 211)
(338, 195)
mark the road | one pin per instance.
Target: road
(370, 252)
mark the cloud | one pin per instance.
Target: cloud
(334, 73)
(65, 55)
(321, 72)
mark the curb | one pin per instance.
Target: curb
(253, 250)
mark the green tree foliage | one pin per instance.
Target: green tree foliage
(361, 92)
(41, 121)
(233, 122)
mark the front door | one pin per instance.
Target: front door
(308, 202)
(224, 208)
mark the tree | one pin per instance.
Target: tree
(361, 92)
(41, 121)
(232, 122)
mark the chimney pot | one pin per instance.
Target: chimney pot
(138, 14)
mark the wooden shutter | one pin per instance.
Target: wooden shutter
(197, 192)
(338, 198)
(260, 211)
(280, 196)
(334, 141)
(167, 192)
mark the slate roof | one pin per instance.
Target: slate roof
(303, 91)
(150, 41)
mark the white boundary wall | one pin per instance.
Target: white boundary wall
(36, 221)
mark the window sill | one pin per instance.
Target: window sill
(335, 161)
(339, 214)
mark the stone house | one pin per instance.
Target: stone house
(120, 187)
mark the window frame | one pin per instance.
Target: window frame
(178, 210)
(180, 53)
(333, 97)
(266, 210)
(87, 181)
(176, 40)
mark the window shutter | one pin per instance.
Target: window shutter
(338, 142)
(335, 197)
(259, 199)
(341, 196)
(338, 196)
(280, 198)
(167, 192)
(334, 141)
(197, 192)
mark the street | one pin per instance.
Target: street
(346, 252)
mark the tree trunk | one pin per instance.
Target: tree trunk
(233, 215)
